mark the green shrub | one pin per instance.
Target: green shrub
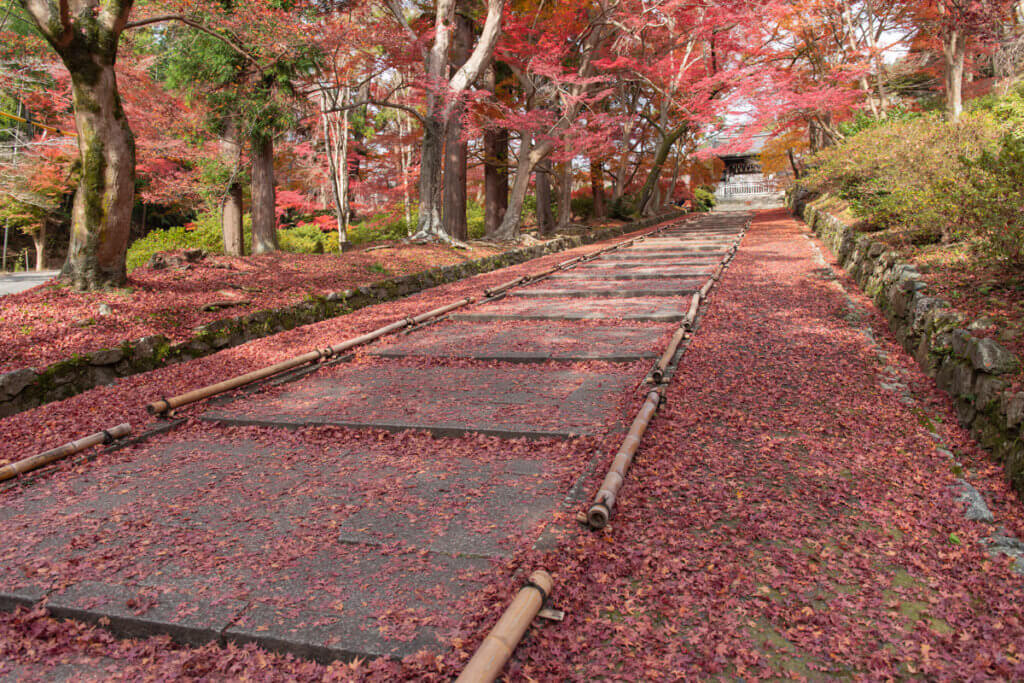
(383, 227)
(930, 179)
(704, 199)
(206, 235)
(475, 220)
(992, 197)
(621, 209)
(906, 174)
(308, 238)
(583, 206)
(529, 212)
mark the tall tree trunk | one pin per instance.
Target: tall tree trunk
(495, 178)
(86, 36)
(231, 205)
(336, 149)
(545, 221)
(564, 196)
(431, 164)
(619, 187)
(102, 210)
(39, 242)
(661, 155)
(954, 51)
(439, 105)
(597, 187)
(797, 173)
(264, 220)
(456, 149)
(231, 212)
(405, 161)
(496, 143)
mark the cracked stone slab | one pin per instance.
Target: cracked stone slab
(510, 403)
(529, 342)
(646, 309)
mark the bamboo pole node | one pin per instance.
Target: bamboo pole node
(600, 509)
(104, 436)
(496, 649)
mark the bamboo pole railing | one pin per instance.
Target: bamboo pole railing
(36, 461)
(490, 658)
(164, 405)
(604, 500)
(658, 373)
(691, 314)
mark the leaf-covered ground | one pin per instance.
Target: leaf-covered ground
(51, 322)
(790, 514)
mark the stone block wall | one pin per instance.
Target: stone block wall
(972, 370)
(27, 388)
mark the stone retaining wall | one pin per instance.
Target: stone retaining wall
(972, 370)
(27, 388)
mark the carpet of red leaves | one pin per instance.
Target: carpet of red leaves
(787, 516)
(51, 322)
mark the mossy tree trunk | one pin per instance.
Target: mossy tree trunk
(86, 37)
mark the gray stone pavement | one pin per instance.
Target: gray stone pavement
(536, 342)
(14, 283)
(506, 402)
(288, 516)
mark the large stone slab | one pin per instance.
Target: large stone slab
(530, 342)
(667, 257)
(314, 550)
(589, 287)
(506, 402)
(676, 244)
(371, 610)
(514, 308)
(630, 271)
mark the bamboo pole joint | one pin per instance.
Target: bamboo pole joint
(496, 649)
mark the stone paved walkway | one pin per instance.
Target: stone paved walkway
(348, 512)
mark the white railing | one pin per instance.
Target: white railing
(746, 189)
